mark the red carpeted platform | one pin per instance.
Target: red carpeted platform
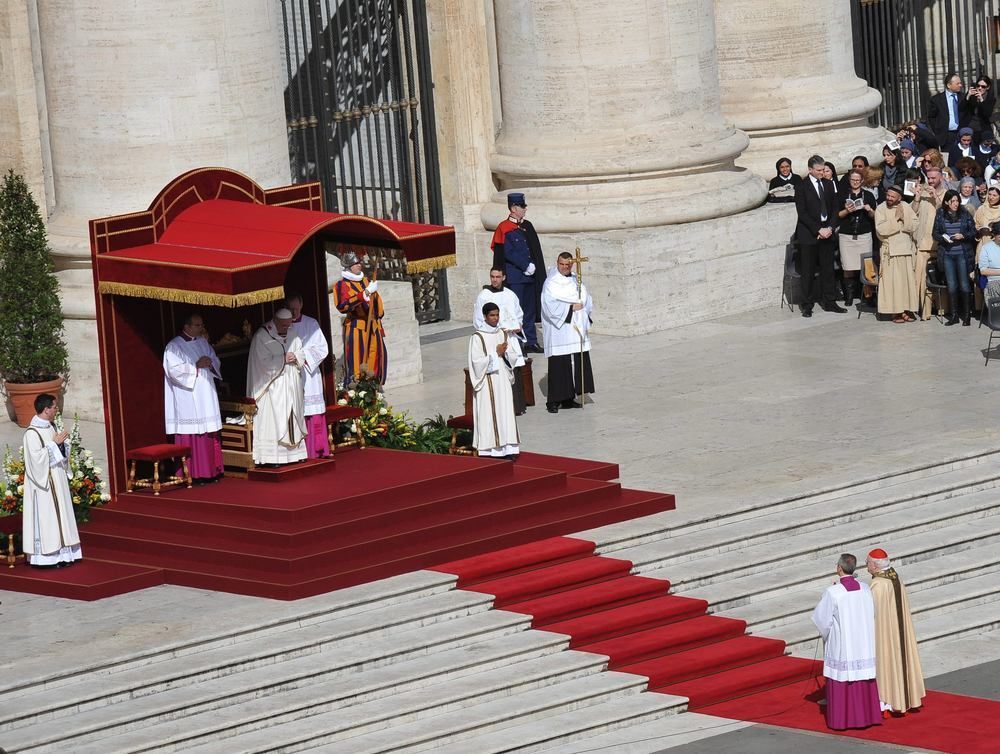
(946, 722)
(685, 652)
(374, 513)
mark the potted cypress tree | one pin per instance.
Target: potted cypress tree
(33, 357)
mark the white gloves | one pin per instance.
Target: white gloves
(372, 287)
(530, 269)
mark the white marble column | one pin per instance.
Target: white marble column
(611, 116)
(787, 79)
(136, 94)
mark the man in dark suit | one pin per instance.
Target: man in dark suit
(949, 111)
(815, 204)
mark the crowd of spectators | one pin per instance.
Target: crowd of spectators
(937, 190)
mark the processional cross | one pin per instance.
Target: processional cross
(578, 260)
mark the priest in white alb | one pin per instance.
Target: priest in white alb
(511, 322)
(315, 349)
(274, 381)
(566, 318)
(49, 535)
(494, 429)
(191, 401)
(845, 617)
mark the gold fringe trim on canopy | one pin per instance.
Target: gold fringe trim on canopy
(202, 298)
(434, 263)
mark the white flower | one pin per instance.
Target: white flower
(98, 470)
(87, 454)
(20, 489)
(380, 396)
(351, 393)
(362, 394)
(104, 486)
(342, 402)
(78, 474)
(383, 411)
(105, 497)
(354, 427)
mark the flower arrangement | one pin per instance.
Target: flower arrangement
(385, 428)
(85, 483)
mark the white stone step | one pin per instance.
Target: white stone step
(730, 596)
(659, 560)
(656, 736)
(438, 730)
(350, 719)
(48, 669)
(684, 521)
(298, 688)
(571, 732)
(357, 642)
(791, 619)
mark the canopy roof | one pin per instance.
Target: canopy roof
(234, 249)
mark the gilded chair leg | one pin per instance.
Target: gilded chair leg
(156, 477)
(329, 436)
(187, 472)
(131, 478)
(361, 439)
(452, 449)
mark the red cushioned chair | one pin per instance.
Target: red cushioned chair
(154, 454)
(460, 424)
(337, 414)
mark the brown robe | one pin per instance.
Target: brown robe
(897, 662)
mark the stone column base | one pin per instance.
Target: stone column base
(650, 279)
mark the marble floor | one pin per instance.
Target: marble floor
(721, 413)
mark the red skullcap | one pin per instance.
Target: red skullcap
(878, 554)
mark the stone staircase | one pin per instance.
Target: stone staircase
(768, 564)
(412, 664)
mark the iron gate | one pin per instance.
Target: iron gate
(361, 118)
(904, 49)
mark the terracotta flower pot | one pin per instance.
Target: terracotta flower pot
(22, 396)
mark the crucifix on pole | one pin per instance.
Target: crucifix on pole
(578, 261)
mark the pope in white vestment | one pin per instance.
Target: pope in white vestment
(49, 535)
(274, 381)
(315, 349)
(566, 318)
(494, 430)
(845, 617)
(191, 401)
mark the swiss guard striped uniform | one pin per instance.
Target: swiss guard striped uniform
(350, 300)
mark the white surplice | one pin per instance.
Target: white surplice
(494, 427)
(563, 338)
(511, 318)
(49, 534)
(315, 349)
(279, 428)
(846, 621)
(191, 402)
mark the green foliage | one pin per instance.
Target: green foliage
(31, 326)
(433, 436)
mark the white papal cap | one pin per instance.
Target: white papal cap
(283, 314)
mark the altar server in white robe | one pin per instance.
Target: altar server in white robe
(49, 536)
(191, 401)
(274, 380)
(494, 430)
(845, 617)
(315, 349)
(566, 318)
(511, 321)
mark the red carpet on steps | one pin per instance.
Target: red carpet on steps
(367, 515)
(685, 652)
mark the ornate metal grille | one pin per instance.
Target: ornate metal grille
(361, 118)
(904, 49)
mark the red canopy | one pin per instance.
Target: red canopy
(214, 237)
